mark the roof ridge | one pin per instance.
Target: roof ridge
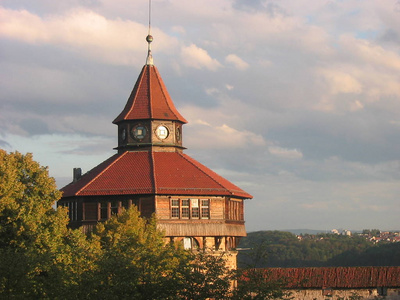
(147, 67)
(153, 173)
(212, 178)
(100, 173)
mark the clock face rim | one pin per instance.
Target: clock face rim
(162, 136)
(135, 135)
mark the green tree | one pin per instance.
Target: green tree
(135, 262)
(253, 284)
(40, 256)
(206, 277)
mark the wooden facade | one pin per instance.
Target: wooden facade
(217, 218)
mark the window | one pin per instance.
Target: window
(190, 208)
(175, 208)
(205, 209)
(127, 204)
(103, 210)
(114, 207)
(382, 291)
(185, 209)
(190, 243)
(72, 210)
(195, 208)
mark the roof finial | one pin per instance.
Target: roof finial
(149, 39)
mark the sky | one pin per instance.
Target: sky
(296, 102)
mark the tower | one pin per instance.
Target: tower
(193, 204)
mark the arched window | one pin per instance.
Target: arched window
(190, 243)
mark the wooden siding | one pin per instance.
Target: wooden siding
(217, 208)
(163, 207)
(90, 211)
(201, 228)
(147, 206)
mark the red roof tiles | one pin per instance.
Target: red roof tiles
(340, 277)
(149, 99)
(147, 172)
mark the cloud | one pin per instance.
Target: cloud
(285, 153)
(206, 136)
(340, 82)
(84, 31)
(4, 144)
(198, 58)
(237, 62)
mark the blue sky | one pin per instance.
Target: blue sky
(297, 102)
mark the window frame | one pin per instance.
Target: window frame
(190, 208)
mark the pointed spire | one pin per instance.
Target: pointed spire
(149, 39)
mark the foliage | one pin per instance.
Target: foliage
(135, 262)
(37, 250)
(283, 249)
(206, 277)
(253, 284)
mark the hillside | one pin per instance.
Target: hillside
(283, 249)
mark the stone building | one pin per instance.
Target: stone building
(193, 204)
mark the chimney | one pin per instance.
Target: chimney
(77, 174)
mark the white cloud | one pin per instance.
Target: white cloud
(206, 136)
(198, 58)
(83, 31)
(340, 82)
(237, 62)
(285, 153)
(370, 53)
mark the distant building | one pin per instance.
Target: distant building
(335, 231)
(346, 232)
(194, 205)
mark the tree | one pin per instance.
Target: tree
(135, 262)
(39, 254)
(206, 277)
(254, 284)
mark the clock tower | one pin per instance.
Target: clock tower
(150, 119)
(193, 204)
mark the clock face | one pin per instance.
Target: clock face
(162, 132)
(139, 132)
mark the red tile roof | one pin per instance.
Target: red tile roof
(149, 99)
(147, 172)
(340, 277)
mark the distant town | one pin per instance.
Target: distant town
(372, 235)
